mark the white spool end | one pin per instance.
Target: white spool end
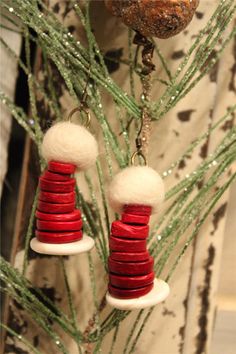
(159, 293)
(63, 249)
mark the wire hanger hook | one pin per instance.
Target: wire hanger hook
(139, 145)
(83, 107)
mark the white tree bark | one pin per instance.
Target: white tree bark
(8, 75)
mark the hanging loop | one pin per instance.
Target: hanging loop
(138, 154)
(83, 108)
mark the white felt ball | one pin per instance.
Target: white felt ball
(136, 185)
(70, 143)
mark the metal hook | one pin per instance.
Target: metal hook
(138, 142)
(138, 154)
(80, 109)
(83, 106)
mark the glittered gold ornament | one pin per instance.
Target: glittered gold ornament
(158, 18)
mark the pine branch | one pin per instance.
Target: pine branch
(188, 205)
(29, 232)
(114, 338)
(21, 338)
(64, 49)
(19, 115)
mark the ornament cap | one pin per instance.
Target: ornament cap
(140, 186)
(69, 143)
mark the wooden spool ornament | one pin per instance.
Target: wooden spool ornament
(59, 229)
(136, 192)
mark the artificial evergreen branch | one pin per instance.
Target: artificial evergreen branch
(188, 206)
(21, 338)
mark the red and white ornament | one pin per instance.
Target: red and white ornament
(136, 192)
(66, 146)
